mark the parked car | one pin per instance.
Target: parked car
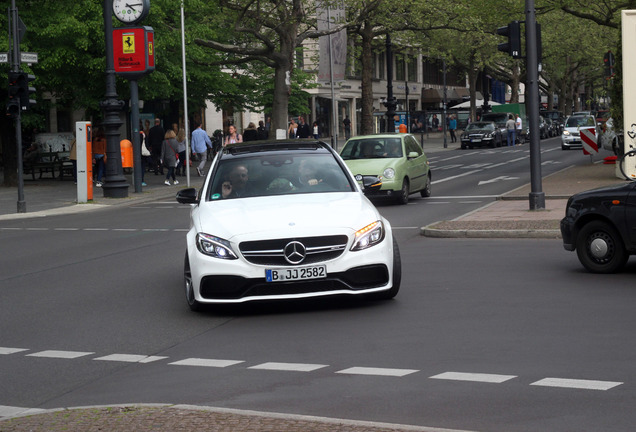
(396, 159)
(551, 128)
(611, 138)
(571, 136)
(557, 117)
(482, 133)
(284, 220)
(601, 226)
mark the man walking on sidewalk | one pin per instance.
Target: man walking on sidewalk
(200, 143)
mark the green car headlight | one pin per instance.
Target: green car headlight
(389, 173)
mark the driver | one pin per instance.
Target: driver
(235, 186)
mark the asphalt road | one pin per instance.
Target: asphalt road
(484, 335)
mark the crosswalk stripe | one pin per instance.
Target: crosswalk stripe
(5, 350)
(60, 354)
(130, 358)
(476, 377)
(576, 383)
(206, 362)
(292, 367)
(377, 371)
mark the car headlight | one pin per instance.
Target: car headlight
(488, 135)
(368, 236)
(389, 173)
(566, 133)
(215, 247)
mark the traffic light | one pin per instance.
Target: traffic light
(26, 91)
(608, 60)
(513, 32)
(13, 106)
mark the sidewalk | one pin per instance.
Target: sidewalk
(510, 216)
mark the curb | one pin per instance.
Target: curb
(430, 231)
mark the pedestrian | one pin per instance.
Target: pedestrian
(518, 126)
(452, 126)
(233, 137)
(316, 130)
(292, 129)
(200, 143)
(146, 156)
(155, 139)
(99, 156)
(510, 129)
(262, 131)
(347, 127)
(251, 133)
(435, 123)
(181, 149)
(170, 156)
(303, 129)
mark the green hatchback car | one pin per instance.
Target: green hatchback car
(396, 159)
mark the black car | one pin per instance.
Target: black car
(483, 133)
(601, 226)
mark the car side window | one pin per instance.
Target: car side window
(411, 146)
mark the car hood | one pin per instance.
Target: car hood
(371, 166)
(478, 131)
(285, 216)
(606, 191)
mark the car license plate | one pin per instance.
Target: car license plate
(475, 140)
(292, 274)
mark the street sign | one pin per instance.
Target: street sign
(4, 57)
(588, 138)
(28, 57)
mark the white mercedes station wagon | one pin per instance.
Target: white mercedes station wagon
(281, 220)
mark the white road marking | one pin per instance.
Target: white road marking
(377, 371)
(5, 350)
(60, 354)
(65, 229)
(130, 358)
(292, 367)
(475, 377)
(96, 229)
(576, 383)
(206, 362)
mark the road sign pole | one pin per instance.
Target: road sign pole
(15, 67)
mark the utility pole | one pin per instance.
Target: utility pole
(536, 196)
(15, 68)
(390, 103)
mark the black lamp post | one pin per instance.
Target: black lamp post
(390, 103)
(115, 185)
(408, 110)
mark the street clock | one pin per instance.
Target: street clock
(131, 11)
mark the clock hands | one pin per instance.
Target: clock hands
(130, 6)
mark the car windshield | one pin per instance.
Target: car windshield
(277, 173)
(375, 148)
(577, 121)
(480, 126)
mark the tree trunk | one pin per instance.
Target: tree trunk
(367, 78)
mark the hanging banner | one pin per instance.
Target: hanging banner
(133, 51)
(327, 19)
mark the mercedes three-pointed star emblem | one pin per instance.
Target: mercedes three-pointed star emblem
(295, 252)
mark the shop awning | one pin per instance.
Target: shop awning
(432, 95)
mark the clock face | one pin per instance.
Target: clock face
(130, 11)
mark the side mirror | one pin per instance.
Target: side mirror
(413, 155)
(187, 196)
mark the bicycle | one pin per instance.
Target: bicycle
(627, 164)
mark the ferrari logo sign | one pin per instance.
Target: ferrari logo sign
(588, 138)
(133, 51)
(128, 43)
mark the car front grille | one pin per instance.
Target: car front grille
(272, 252)
(223, 287)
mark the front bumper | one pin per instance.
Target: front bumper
(571, 141)
(217, 281)
(567, 233)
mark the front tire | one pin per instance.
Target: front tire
(426, 192)
(627, 162)
(600, 248)
(403, 198)
(189, 287)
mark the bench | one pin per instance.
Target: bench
(49, 162)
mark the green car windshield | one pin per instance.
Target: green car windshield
(376, 148)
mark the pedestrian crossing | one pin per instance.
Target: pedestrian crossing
(370, 371)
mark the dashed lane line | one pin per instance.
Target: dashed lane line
(577, 384)
(582, 384)
(475, 377)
